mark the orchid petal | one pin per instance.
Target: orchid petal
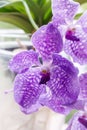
(76, 45)
(83, 21)
(47, 40)
(23, 60)
(63, 62)
(83, 86)
(45, 96)
(64, 83)
(78, 105)
(56, 107)
(35, 107)
(64, 10)
(27, 89)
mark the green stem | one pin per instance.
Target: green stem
(29, 15)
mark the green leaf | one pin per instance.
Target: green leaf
(18, 20)
(47, 12)
(41, 2)
(38, 12)
(16, 7)
(34, 7)
(13, 7)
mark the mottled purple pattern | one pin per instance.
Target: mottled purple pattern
(47, 40)
(64, 85)
(66, 64)
(55, 106)
(83, 85)
(35, 107)
(78, 105)
(45, 96)
(23, 60)
(58, 20)
(75, 124)
(77, 48)
(27, 89)
(83, 21)
(64, 10)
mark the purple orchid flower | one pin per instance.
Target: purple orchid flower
(54, 84)
(45, 78)
(74, 32)
(78, 122)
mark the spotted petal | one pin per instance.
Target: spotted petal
(64, 83)
(78, 122)
(64, 10)
(76, 45)
(83, 86)
(27, 89)
(56, 107)
(78, 105)
(83, 21)
(31, 109)
(23, 60)
(62, 62)
(47, 40)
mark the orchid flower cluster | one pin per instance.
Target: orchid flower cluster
(44, 76)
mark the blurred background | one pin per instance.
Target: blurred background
(18, 20)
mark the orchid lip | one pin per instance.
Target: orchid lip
(45, 76)
(71, 36)
(83, 120)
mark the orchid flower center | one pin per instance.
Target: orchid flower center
(83, 120)
(45, 76)
(70, 35)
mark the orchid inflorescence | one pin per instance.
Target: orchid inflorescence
(44, 76)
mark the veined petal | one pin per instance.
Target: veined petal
(83, 21)
(63, 62)
(27, 89)
(45, 95)
(35, 107)
(76, 45)
(64, 10)
(64, 84)
(59, 20)
(23, 60)
(56, 107)
(78, 122)
(78, 105)
(83, 86)
(47, 40)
